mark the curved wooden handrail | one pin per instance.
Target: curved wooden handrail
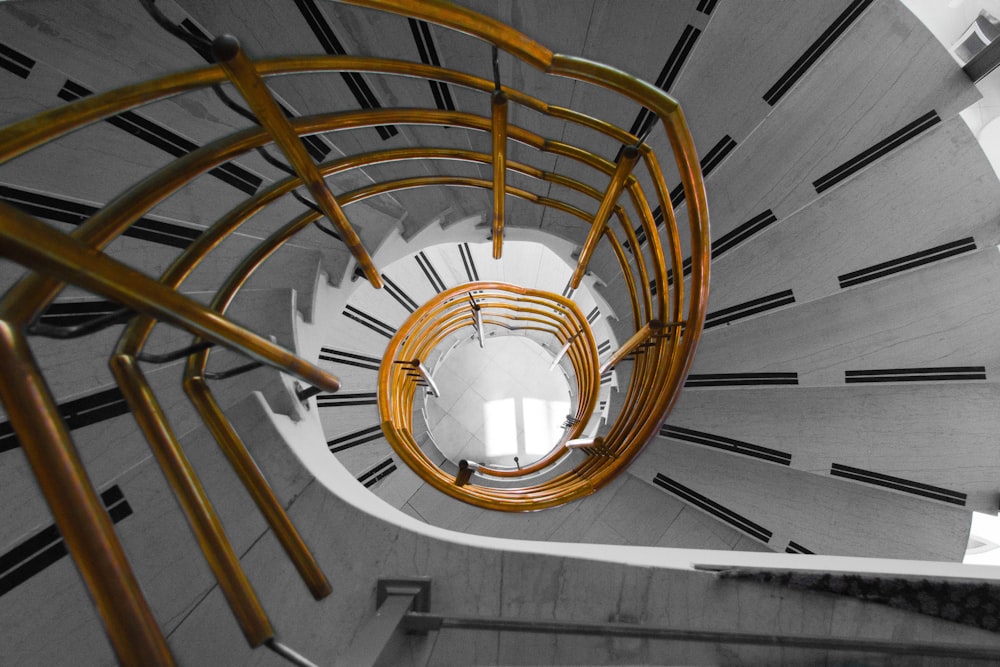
(658, 370)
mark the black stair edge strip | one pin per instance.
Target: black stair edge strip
(706, 504)
(899, 484)
(815, 51)
(727, 444)
(907, 262)
(880, 149)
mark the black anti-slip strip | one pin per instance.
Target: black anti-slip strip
(77, 413)
(604, 347)
(729, 516)
(593, 315)
(432, 275)
(916, 374)
(671, 68)
(640, 233)
(378, 473)
(727, 444)
(606, 377)
(47, 546)
(908, 262)
(567, 291)
(796, 548)
(714, 157)
(397, 293)
(349, 358)
(740, 379)
(882, 148)
(752, 307)
(355, 439)
(75, 213)
(428, 55)
(71, 313)
(203, 50)
(652, 287)
(355, 82)
(342, 400)
(94, 408)
(899, 484)
(367, 320)
(470, 265)
(752, 226)
(706, 6)
(15, 62)
(166, 140)
(8, 439)
(710, 161)
(815, 51)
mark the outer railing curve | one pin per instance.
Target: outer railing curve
(666, 330)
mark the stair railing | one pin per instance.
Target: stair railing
(55, 259)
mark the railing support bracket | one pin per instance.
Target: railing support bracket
(395, 598)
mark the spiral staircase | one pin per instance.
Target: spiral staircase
(842, 400)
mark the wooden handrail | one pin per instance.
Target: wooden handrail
(56, 259)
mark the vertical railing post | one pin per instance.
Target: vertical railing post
(629, 156)
(194, 502)
(230, 56)
(79, 515)
(254, 482)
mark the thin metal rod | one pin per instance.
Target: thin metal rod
(289, 654)
(79, 515)
(232, 372)
(563, 351)
(151, 358)
(499, 127)
(194, 502)
(306, 393)
(29, 241)
(75, 331)
(477, 316)
(428, 622)
(630, 155)
(425, 375)
(196, 42)
(244, 76)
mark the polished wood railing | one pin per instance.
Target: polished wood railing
(667, 329)
(471, 307)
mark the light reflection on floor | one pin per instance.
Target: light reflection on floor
(498, 403)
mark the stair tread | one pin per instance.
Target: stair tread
(825, 515)
(882, 325)
(916, 432)
(871, 84)
(932, 192)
